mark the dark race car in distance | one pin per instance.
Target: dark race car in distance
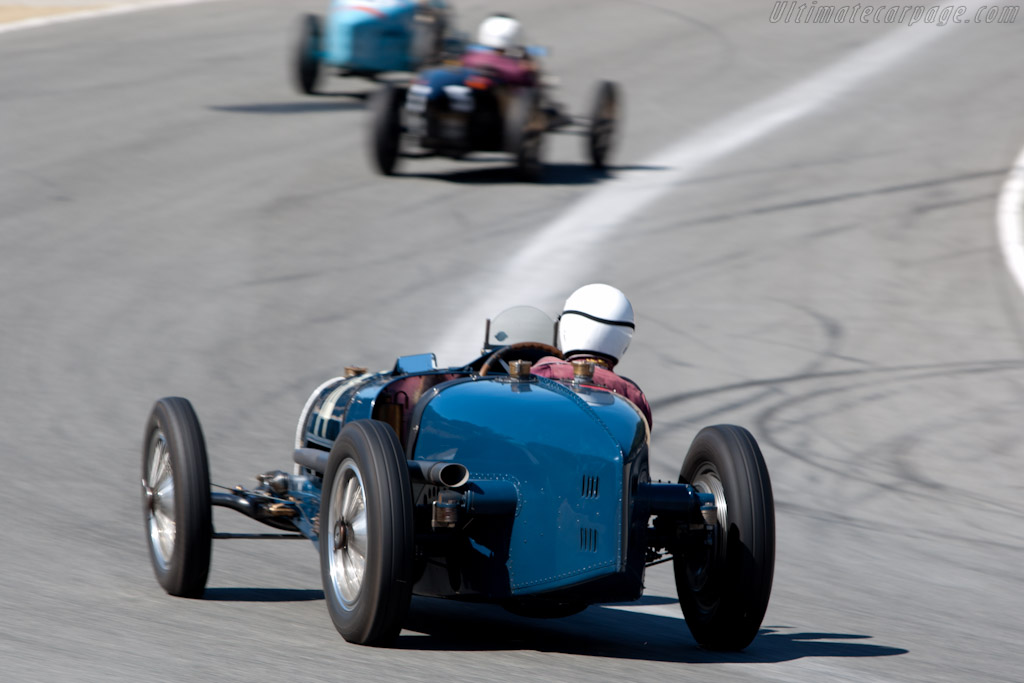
(455, 110)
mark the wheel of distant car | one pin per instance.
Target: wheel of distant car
(366, 534)
(724, 587)
(531, 351)
(176, 498)
(603, 122)
(524, 133)
(387, 127)
(307, 53)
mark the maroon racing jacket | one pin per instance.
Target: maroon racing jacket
(556, 368)
(510, 70)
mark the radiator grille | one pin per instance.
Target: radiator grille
(588, 539)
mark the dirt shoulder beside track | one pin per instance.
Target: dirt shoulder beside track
(10, 12)
(34, 12)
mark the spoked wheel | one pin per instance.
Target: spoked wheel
(529, 166)
(176, 498)
(604, 118)
(524, 134)
(366, 534)
(307, 53)
(386, 127)
(724, 587)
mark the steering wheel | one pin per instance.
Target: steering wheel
(531, 351)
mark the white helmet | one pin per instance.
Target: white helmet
(596, 319)
(500, 32)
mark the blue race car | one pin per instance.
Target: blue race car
(368, 37)
(482, 483)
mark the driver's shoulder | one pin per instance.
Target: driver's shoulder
(552, 367)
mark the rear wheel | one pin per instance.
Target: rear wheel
(529, 166)
(604, 117)
(386, 128)
(524, 134)
(307, 54)
(724, 587)
(176, 498)
(366, 534)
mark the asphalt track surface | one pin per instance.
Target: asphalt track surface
(177, 221)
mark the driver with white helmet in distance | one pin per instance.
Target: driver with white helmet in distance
(500, 50)
(596, 325)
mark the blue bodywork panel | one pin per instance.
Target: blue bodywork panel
(349, 398)
(371, 36)
(564, 455)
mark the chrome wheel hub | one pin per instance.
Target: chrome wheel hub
(707, 480)
(349, 535)
(158, 489)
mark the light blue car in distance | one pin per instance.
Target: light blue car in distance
(368, 37)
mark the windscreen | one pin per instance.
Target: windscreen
(520, 324)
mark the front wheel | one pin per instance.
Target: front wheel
(386, 128)
(366, 534)
(724, 586)
(604, 116)
(176, 498)
(307, 54)
(524, 134)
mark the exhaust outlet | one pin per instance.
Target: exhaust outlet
(448, 474)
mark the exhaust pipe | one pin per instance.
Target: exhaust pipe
(679, 500)
(448, 474)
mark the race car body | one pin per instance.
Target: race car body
(530, 436)
(368, 37)
(481, 482)
(454, 110)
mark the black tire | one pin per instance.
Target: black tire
(176, 498)
(524, 134)
(369, 609)
(386, 128)
(604, 117)
(724, 588)
(307, 54)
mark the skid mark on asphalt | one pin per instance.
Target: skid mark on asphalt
(556, 260)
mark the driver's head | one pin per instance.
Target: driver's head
(596, 321)
(500, 32)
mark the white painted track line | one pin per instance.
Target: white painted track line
(535, 275)
(1010, 220)
(560, 257)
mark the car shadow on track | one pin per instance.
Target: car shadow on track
(554, 174)
(603, 631)
(262, 594)
(353, 101)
